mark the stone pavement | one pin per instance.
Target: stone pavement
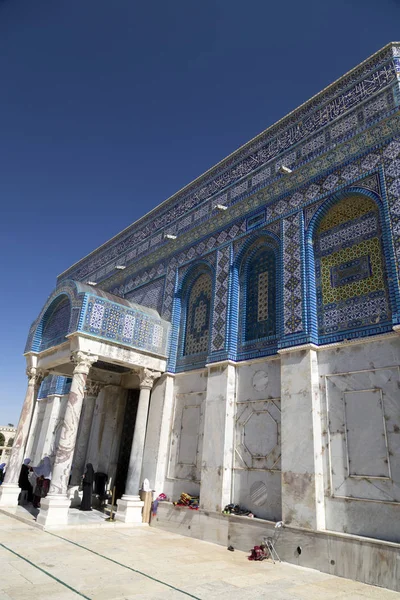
(143, 562)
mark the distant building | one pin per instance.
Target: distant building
(7, 435)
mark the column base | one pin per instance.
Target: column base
(130, 509)
(9, 493)
(54, 510)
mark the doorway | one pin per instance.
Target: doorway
(126, 442)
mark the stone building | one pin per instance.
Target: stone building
(7, 434)
(259, 307)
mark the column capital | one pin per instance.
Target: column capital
(147, 378)
(35, 375)
(82, 361)
(92, 388)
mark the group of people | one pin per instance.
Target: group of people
(35, 483)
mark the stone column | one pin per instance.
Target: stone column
(91, 392)
(36, 435)
(130, 506)
(9, 491)
(52, 415)
(32, 431)
(54, 508)
(303, 501)
(156, 452)
(218, 446)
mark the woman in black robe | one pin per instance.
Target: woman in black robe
(23, 481)
(88, 478)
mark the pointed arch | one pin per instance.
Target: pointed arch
(256, 298)
(193, 312)
(350, 290)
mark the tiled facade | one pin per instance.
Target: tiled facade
(326, 236)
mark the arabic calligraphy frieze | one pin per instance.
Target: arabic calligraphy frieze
(328, 106)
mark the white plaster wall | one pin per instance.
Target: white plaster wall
(256, 482)
(186, 437)
(361, 436)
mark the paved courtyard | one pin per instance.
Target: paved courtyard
(132, 563)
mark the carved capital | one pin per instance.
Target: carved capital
(92, 388)
(82, 361)
(147, 378)
(35, 376)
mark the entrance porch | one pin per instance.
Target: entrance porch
(92, 360)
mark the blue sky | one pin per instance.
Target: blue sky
(109, 107)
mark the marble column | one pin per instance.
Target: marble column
(130, 506)
(33, 430)
(9, 491)
(54, 508)
(218, 446)
(36, 453)
(303, 501)
(52, 414)
(91, 392)
(156, 452)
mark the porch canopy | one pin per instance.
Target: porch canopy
(81, 317)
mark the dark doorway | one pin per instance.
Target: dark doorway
(126, 442)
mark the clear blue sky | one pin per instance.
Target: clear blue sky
(108, 107)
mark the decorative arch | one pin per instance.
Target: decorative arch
(350, 288)
(54, 325)
(192, 316)
(256, 297)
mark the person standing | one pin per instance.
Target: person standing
(88, 479)
(43, 472)
(2, 472)
(23, 481)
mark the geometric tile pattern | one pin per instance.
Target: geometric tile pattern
(150, 295)
(350, 271)
(391, 156)
(127, 325)
(220, 299)
(292, 284)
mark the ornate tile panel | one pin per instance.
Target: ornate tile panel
(221, 299)
(292, 282)
(350, 270)
(110, 321)
(198, 316)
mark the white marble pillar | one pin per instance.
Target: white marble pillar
(156, 451)
(54, 508)
(303, 502)
(9, 490)
(36, 453)
(32, 431)
(52, 413)
(130, 506)
(218, 447)
(91, 392)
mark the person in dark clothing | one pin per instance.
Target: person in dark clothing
(88, 479)
(43, 474)
(2, 472)
(23, 481)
